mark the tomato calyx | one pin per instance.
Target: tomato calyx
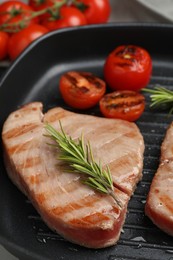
(54, 14)
(80, 5)
(15, 11)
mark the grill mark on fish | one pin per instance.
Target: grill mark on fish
(56, 116)
(30, 162)
(67, 188)
(84, 202)
(20, 130)
(94, 218)
(19, 148)
(34, 179)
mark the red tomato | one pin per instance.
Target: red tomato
(128, 67)
(81, 89)
(123, 104)
(69, 16)
(97, 11)
(19, 41)
(15, 11)
(4, 37)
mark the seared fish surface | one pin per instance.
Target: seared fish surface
(72, 209)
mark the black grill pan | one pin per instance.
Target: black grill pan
(34, 76)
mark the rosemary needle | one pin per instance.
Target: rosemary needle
(80, 158)
(160, 96)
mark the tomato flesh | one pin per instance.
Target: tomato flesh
(81, 90)
(128, 67)
(124, 104)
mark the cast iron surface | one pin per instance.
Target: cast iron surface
(34, 76)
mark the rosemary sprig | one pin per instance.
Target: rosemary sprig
(160, 96)
(80, 158)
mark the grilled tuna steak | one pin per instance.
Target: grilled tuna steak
(69, 207)
(159, 204)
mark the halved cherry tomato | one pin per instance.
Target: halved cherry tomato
(123, 104)
(128, 67)
(4, 37)
(81, 90)
(19, 41)
(68, 16)
(15, 11)
(96, 11)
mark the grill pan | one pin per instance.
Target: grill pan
(34, 76)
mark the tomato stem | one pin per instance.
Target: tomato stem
(17, 26)
(81, 6)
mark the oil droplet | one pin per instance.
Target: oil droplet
(41, 240)
(139, 246)
(138, 239)
(73, 249)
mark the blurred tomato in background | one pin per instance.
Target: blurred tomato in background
(16, 18)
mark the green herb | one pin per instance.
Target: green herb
(160, 96)
(80, 158)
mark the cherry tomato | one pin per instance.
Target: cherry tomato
(81, 90)
(15, 11)
(19, 41)
(69, 16)
(96, 11)
(123, 104)
(128, 67)
(4, 37)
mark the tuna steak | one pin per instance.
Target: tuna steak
(159, 205)
(72, 209)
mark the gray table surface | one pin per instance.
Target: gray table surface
(128, 11)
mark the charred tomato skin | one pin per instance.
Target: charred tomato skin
(81, 90)
(123, 104)
(128, 67)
